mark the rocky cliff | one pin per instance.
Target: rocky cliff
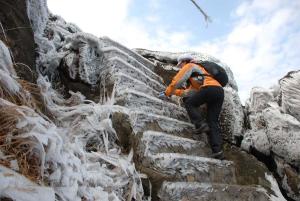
(273, 129)
(86, 124)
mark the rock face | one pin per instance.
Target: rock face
(77, 147)
(16, 32)
(290, 94)
(274, 128)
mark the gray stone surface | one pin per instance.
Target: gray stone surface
(290, 94)
(20, 41)
(273, 129)
(194, 191)
(185, 167)
(153, 142)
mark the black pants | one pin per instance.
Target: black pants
(213, 96)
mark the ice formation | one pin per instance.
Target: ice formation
(273, 128)
(75, 147)
(7, 71)
(62, 148)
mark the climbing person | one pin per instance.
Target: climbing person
(197, 86)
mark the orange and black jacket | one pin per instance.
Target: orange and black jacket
(185, 74)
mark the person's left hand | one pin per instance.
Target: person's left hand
(162, 95)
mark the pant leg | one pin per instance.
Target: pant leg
(214, 107)
(192, 103)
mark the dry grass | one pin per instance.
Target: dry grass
(16, 147)
(29, 95)
(12, 144)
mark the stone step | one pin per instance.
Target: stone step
(153, 142)
(110, 43)
(182, 167)
(134, 99)
(116, 65)
(113, 52)
(142, 121)
(194, 191)
(123, 82)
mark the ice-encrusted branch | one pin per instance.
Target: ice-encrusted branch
(206, 17)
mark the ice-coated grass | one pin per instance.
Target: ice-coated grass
(77, 153)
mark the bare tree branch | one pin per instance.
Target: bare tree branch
(206, 17)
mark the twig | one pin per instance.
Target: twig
(22, 64)
(206, 17)
(3, 32)
(15, 29)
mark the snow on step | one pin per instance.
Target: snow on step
(110, 43)
(184, 167)
(113, 52)
(193, 191)
(18, 187)
(116, 65)
(123, 82)
(142, 121)
(134, 99)
(153, 142)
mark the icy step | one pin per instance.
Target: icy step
(194, 191)
(142, 121)
(112, 53)
(14, 186)
(123, 82)
(153, 142)
(116, 65)
(134, 99)
(110, 43)
(182, 167)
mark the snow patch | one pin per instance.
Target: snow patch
(275, 188)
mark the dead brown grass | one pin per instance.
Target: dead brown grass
(29, 95)
(21, 149)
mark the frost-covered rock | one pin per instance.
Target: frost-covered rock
(168, 60)
(232, 116)
(260, 98)
(7, 72)
(273, 128)
(38, 14)
(203, 191)
(290, 94)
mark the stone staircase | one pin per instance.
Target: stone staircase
(178, 166)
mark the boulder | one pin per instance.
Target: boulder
(290, 94)
(273, 129)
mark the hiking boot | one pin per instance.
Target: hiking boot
(218, 155)
(203, 128)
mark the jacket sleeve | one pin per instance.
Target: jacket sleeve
(181, 77)
(184, 92)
